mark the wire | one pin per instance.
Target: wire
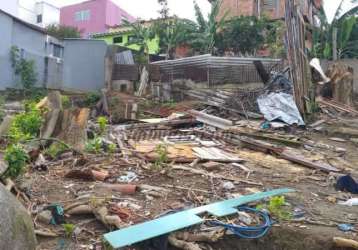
(249, 232)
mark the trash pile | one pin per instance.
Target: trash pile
(127, 171)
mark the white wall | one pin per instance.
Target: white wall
(26, 11)
(50, 14)
(9, 6)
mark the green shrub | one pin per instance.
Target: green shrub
(162, 156)
(94, 145)
(26, 125)
(92, 98)
(16, 158)
(55, 149)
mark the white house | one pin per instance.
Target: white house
(40, 13)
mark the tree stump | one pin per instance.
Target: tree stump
(342, 83)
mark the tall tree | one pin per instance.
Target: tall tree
(207, 30)
(61, 31)
(337, 39)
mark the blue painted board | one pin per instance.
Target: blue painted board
(173, 222)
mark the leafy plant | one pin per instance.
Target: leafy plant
(102, 122)
(62, 31)
(112, 148)
(16, 158)
(92, 98)
(2, 112)
(69, 229)
(66, 102)
(162, 156)
(276, 207)
(94, 145)
(24, 68)
(26, 125)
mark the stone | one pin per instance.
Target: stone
(16, 226)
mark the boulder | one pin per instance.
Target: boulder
(16, 227)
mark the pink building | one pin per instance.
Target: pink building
(93, 16)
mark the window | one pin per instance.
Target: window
(269, 4)
(57, 50)
(118, 39)
(39, 18)
(83, 15)
(132, 39)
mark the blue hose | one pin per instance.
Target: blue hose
(249, 232)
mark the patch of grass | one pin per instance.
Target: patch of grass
(55, 149)
(112, 148)
(16, 158)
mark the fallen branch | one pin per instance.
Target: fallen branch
(217, 176)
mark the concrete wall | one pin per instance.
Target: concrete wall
(84, 65)
(6, 76)
(50, 14)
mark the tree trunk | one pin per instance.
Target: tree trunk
(342, 83)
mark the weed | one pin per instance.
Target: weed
(112, 148)
(26, 125)
(94, 145)
(102, 122)
(69, 229)
(16, 158)
(162, 151)
(169, 104)
(66, 102)
(55, 149)
(276, 207)
(92, 98)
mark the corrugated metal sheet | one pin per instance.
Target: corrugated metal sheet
(125, 57)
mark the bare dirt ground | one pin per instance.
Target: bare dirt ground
(315, 194)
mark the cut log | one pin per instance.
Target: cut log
(73, 128)
(342, 83)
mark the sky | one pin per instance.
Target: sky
(147, 9)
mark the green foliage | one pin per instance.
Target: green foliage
(162, 156)
(274, 38)
(61, 31)
(92, 98)
(142, 36)
(24, 68)
(277, 208)
(346, 25)
(102, 122)
(206, 35)
(94, 145)
(16, 158)
(112, 148)
(55, 149)
(66, 102)
(174, 32)
(243, 34)
(69, 229)
(26, 125)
